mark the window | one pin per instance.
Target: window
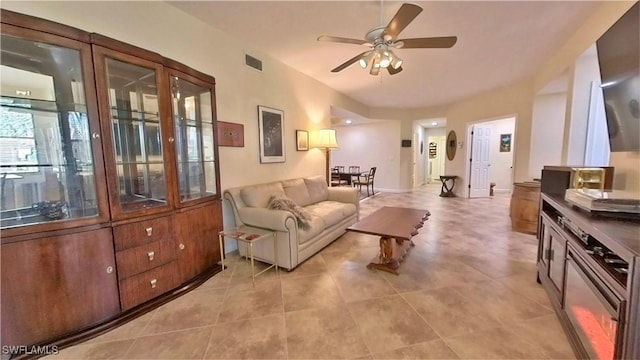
(17, 142)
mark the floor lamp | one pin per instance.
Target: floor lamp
(327, 140)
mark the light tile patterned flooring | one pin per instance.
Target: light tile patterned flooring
(466, 290)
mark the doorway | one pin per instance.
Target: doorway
(435, 158)
(491, 156)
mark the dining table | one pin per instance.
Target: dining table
(348, 176)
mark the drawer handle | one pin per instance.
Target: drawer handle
(153, 282)
(151, 255)
(149, 231)
(109, 269)
(181, 246)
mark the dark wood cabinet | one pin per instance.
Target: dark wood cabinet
(198, 230)
(57, 284)
(113, 205)
(589, 267)
(552, 256)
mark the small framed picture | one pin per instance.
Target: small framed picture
(505, 142)
(302, 140)
(230, 134)
(271, 128)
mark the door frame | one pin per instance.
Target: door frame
(470, 142)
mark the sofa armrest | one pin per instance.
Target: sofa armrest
(344, 194)
(278, 220)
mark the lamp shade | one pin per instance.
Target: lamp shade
(327, 139)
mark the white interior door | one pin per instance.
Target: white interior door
(414, 166)
(435, 155)
(480, 161)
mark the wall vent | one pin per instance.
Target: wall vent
(253, 62)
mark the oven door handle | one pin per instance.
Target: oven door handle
(605, 295)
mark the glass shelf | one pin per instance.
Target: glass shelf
(47, 171)
(193, 122)
(136, 136)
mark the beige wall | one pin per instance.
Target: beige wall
(513, 101)
(306, 103)
(627, 164)
(368, 145)
(159, 27)
(547, 132)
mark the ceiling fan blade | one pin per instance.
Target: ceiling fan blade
(341, 40)
(431, 42)
(401, 19)
(393, 71)
(346, 64)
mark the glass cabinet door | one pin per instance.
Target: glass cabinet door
(49, 136)
(193, 120)
(130, 87)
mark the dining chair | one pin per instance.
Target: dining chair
(354, 172)
(366, 180)
(335, 178)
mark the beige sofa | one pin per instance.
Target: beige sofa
(332, 210)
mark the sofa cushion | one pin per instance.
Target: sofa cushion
(259, 195)
(296, 190)
(318, 189)
(331, 212)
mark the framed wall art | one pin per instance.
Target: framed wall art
(302, 140)
(505, 142)
(271, 129)
(230, 134)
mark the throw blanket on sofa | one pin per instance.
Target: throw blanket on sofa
(284, 203)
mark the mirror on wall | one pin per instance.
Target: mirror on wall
(452, 141)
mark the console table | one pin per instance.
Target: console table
(447, 190)
(395, 226)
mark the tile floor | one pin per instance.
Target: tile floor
(467, 290)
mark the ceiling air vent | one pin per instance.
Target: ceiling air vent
(253, 62)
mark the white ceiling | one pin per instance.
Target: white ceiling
(499, 42)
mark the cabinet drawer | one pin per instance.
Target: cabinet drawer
(143, 232)
(142, 258)
(142, 287)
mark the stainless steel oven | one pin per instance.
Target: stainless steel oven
(594, 309)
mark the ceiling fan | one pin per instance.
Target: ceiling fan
(382, 39)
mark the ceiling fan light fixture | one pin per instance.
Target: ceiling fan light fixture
(396, 61)
(366, 59)
(385, 59)
(376, 61)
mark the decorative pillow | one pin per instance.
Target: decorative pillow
(318, 189)
(284, 203)
(296, 190)
(259, 195)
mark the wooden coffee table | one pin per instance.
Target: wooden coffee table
(395, 226)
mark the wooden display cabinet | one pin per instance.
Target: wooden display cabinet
(49, 133)
(135, 124)
(57, 284)
(81, 255)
